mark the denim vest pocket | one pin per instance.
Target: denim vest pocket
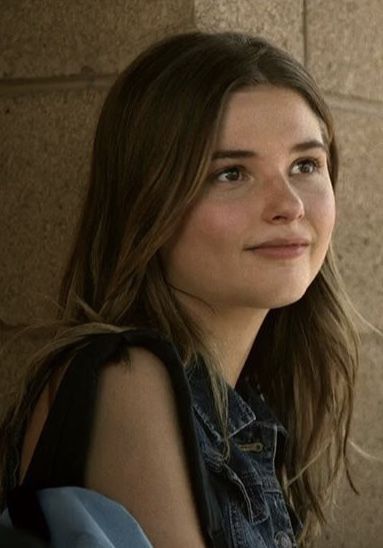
(250, 497)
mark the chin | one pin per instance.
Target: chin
(291, 299)
(275, 300)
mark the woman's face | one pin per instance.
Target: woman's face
(266, 187)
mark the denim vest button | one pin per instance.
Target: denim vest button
(258, 447)
(283, 540)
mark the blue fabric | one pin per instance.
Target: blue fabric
(81, 518)
(254, 508)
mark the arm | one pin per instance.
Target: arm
(137, 457)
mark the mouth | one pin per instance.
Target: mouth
(281, 251)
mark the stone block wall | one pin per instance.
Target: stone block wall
(57, 61)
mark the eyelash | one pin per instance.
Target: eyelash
(316, 163)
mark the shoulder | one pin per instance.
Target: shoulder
(139, 369)
(137, 455)
(135, 397)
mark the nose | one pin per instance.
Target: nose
(281, 200)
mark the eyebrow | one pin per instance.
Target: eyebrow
(240, 153)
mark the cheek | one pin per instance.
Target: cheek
(207, 236)
(210, 225)
(327, 212)
(323, 212)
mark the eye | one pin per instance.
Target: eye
(230, 174)
(308, 166)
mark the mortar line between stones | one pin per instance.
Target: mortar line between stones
(29, 86)
(193, 15)
(305, 32)
(354, 104)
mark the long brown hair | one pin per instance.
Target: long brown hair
(151, 153)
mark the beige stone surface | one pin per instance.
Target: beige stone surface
(46, 141)
(358, 235)
(357, 522)
(65, 37)
(345, 46)
(276, 20)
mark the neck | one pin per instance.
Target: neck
(230, 331)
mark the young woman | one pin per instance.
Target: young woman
(207, 227)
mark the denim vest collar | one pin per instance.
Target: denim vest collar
(246, 405)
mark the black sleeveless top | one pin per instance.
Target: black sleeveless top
(61, 453)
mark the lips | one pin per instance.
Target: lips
(265, 246)
(279, 252)
(281, 242)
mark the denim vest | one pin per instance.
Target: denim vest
(254, 509)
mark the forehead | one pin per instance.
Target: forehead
(267, 113)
